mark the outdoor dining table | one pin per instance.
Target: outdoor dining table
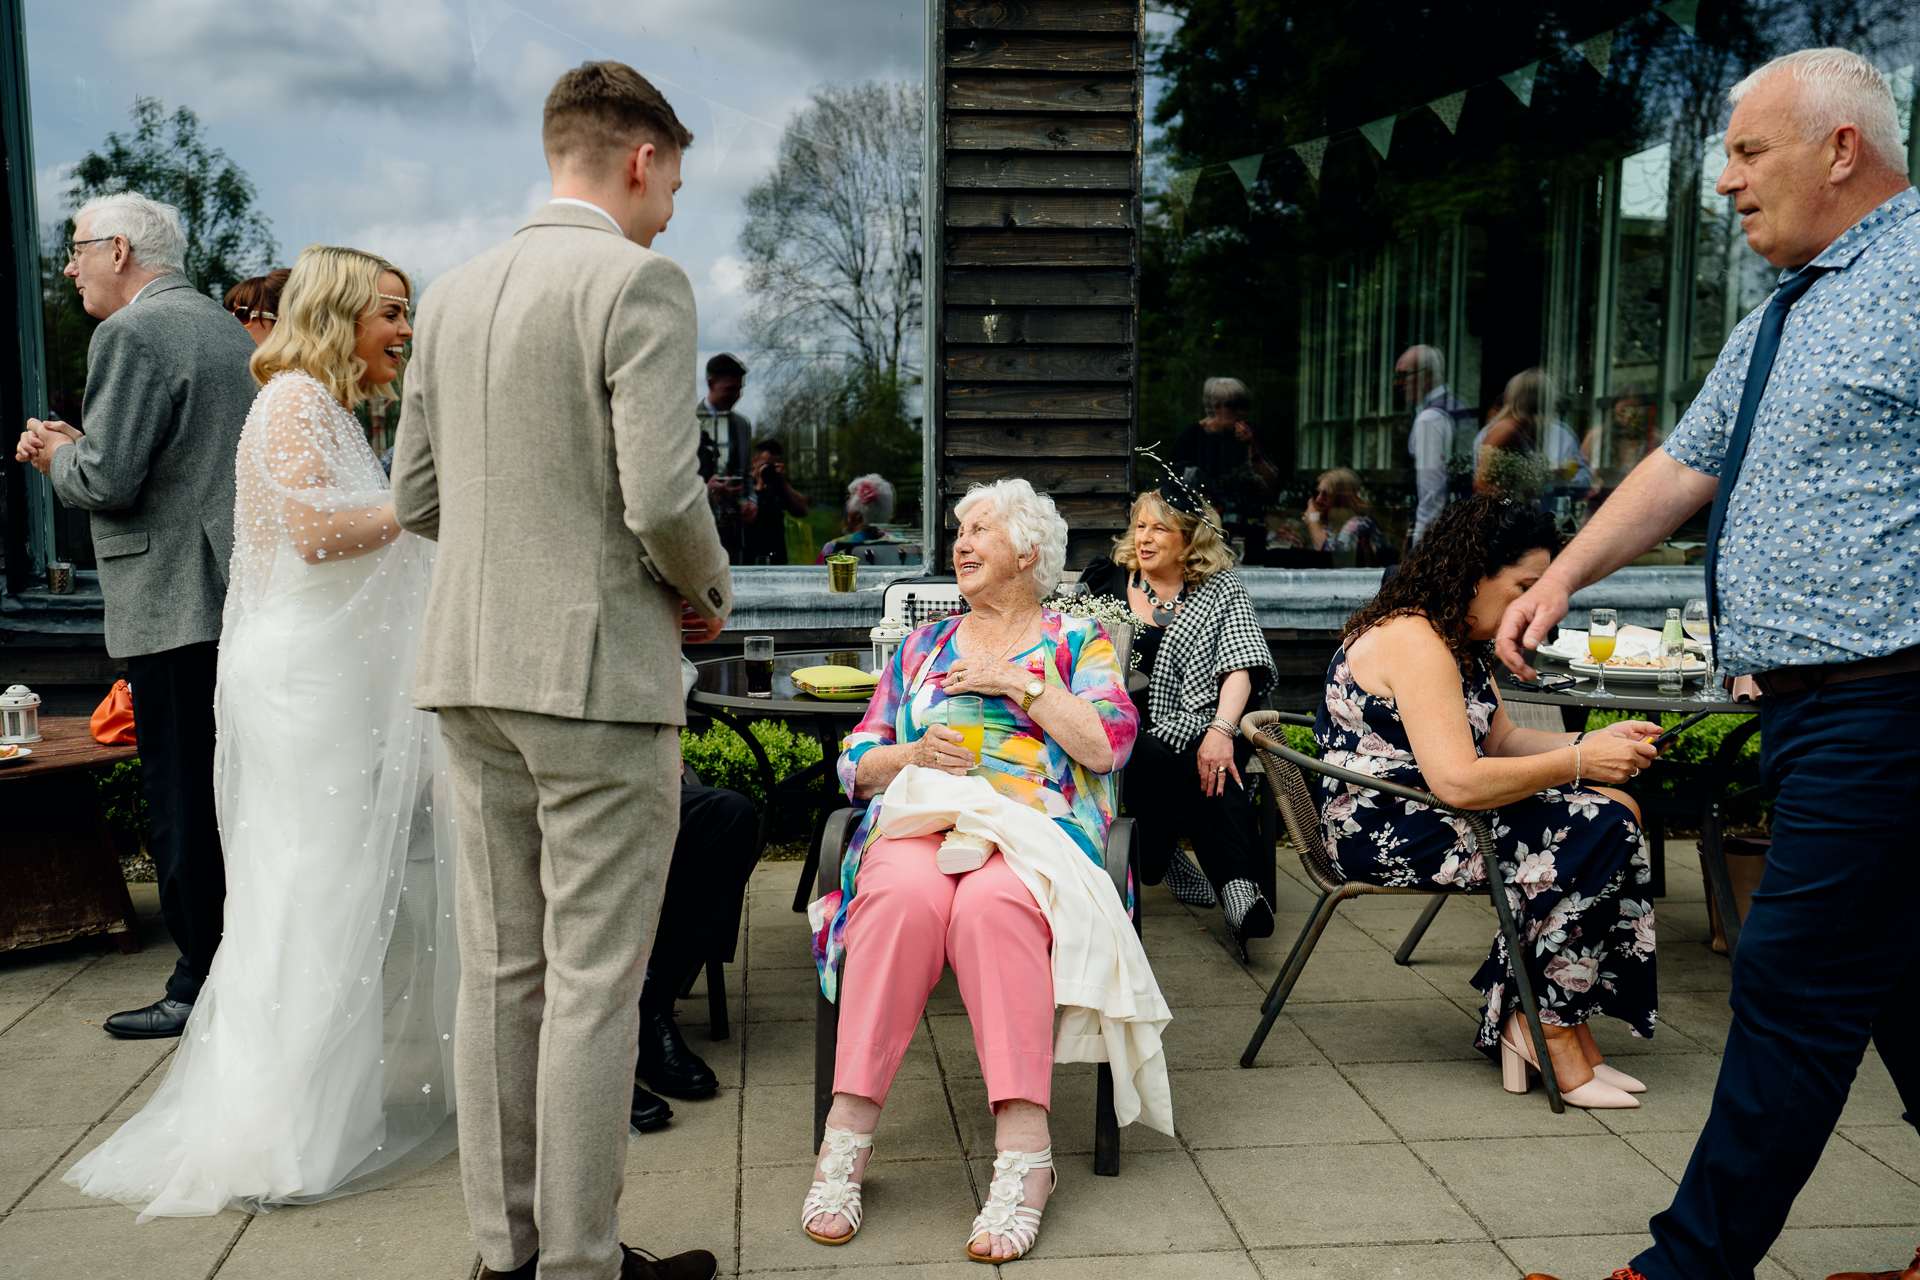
(721, 692)
(57, 859)
(1717, 776)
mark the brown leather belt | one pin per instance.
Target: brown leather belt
(1784, 680)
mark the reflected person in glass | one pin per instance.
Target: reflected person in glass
(1410, 699)
(1058, 724)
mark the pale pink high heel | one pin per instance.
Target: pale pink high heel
(1618, 1079)
(1517, 1064)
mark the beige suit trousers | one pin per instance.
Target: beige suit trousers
(566, 829)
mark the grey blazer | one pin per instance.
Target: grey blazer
(547, 440)
(167, 392)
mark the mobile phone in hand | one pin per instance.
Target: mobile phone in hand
(1667, 739)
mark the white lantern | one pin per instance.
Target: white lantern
(886, 638)
(19, 714)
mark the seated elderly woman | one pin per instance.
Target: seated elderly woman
(1205, 657)
(1035, 922)
(869, 503)
(1411, 699)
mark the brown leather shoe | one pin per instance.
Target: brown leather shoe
(522, 1272)
(695, 1264)
(1911, 1273)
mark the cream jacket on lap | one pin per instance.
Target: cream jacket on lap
(584, 343)
(1112, 1008)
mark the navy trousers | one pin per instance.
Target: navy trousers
(173, 719)
(1829, 958)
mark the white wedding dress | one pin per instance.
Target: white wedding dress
(318, 1058)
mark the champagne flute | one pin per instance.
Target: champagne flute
(1694, 619)
(1602, 627)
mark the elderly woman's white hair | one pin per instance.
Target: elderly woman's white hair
(872, 497)
(1838, 86)
(1033, 524)
(152, 229)
(1224, 393)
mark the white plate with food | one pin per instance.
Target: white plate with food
(1637, 669)
(14, 754)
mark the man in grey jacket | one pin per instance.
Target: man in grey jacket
(547, 441)
(168, 390)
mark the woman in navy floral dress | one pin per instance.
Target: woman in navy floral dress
(1411, 699)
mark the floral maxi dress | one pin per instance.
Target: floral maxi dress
(1576, 863)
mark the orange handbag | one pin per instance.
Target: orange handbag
(113, 718)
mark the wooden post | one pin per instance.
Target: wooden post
(1033, 351)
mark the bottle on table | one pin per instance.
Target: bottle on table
(1673, 648)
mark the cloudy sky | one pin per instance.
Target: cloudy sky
(411, 128)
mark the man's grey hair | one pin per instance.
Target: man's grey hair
(1224, 393)
(152, 230)
(1033, 524)
(1426, 360)
(1838, 87)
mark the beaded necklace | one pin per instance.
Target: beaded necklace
(1164, 612)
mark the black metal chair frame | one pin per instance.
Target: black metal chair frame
(1286, 771)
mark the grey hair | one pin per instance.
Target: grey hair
(1218, 393)
(152, 230)
(872, 496)
(1033, 524)
(1426, 360)
(1838, 87)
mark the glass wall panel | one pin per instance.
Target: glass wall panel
(411, 128)
(1470, 213)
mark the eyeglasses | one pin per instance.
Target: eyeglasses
(74, 246)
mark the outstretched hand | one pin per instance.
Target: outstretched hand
(1526, 624)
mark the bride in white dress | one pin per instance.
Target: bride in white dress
(317, 1060)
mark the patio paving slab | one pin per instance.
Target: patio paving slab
(1371, 1139)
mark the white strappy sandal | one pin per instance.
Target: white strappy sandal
(836, 1193)
(1006, 1214)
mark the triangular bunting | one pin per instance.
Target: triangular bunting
(727, 124)
(1247, 169)
(1182, 185)
(1313, 154)
(1379, 133)
(1599, 51)
(1521, 82)
(484, 19)
(1683, 12)
(1448, 109)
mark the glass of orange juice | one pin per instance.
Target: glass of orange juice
(968, 716)
(1602, 629)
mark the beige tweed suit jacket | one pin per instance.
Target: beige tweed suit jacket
(547, 441)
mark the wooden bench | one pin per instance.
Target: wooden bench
(57, 860)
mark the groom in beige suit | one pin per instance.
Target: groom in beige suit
(548, 443)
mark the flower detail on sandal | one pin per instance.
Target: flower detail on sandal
(1005, 1213)
(836, 1193)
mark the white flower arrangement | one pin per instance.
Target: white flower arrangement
(1102, 609)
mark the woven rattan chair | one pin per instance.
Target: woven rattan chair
(1286, 771)
(1122, 863)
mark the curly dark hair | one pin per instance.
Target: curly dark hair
(1472, 539)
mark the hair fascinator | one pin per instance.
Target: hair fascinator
(1179, 494)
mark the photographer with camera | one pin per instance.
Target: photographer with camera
(724, 450)
(775, 496)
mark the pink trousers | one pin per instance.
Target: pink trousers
(907, 921)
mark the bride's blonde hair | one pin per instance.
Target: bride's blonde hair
(320, 308)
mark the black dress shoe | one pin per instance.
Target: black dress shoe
(525, 1271)
(158, 1021)
(694, 1264)
(649, 1112)
(668, 1065)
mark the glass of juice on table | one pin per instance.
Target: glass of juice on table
(1601, 630)
(758, 652)
(967, 715)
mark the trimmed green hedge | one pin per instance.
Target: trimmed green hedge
(723, 760)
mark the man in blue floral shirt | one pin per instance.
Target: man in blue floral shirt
(1806, 438)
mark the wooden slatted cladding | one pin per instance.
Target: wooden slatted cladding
(1039, 210)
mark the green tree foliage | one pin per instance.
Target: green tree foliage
(167, 158)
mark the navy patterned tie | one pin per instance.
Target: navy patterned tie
(1766, 345)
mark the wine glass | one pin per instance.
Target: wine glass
(1602, 627)
(1694, 620)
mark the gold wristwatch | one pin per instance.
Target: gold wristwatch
(1034, 689)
